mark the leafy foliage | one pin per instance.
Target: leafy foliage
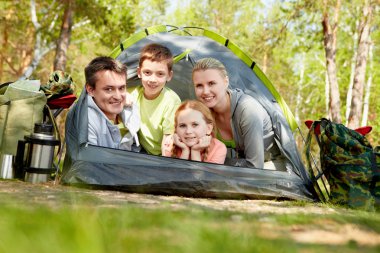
(284, 38)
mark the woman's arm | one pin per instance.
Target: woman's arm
(252, 131)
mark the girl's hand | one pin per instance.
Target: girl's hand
(185, 149)
(203, 143)
(178, 142)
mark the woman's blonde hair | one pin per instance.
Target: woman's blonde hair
(210, 63)
(207, 116)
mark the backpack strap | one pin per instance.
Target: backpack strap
(3, 87)
(317, 173)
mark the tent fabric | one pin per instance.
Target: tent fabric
(93, 166)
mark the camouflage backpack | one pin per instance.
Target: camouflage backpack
(59, 84)
(348, 162)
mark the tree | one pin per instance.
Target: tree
(41, 45)
(368, 88)
(31, 35)
(330, 38)
(360, 67)
(150, 12)
(17, 40)
(64, 37)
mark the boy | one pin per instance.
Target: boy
(157, 102)
(110, 122)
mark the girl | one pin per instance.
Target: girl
(193, 138)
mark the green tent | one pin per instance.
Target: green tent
(101, 167)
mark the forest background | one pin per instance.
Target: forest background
(322, 56)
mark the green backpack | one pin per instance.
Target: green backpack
(348, 164)
(21, 106)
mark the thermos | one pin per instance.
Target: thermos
(36, 165)
(6, 166)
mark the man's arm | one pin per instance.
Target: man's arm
(92, 135)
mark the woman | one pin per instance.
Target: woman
(242, 122)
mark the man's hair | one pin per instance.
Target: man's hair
(103, 63)
(156, 53)
(210, 63)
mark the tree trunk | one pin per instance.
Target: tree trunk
(360, 68)
(3, 47)
(327, 95)
(64, 38)
(368, 87)
(330, 36)
(37, 44)
(41, 46)
(352, 72)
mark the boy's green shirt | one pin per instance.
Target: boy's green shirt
(157, 117)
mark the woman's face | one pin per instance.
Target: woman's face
(210, 87)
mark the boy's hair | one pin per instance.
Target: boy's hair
(198, 106)
(103, 63)
(210, 63)
(156, 53)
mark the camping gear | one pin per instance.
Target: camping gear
(59, 91)
(63, 102)
(58, 85)
(39, 147)
(361, 130)
(348, 165)
(376, 179)
(21, 106)
(99, 167)
(6, 166)
(23, 109)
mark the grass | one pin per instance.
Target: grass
(81, 223)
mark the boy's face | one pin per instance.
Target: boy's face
(109, 93)
(154, 76)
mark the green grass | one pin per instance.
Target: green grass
(81, 223)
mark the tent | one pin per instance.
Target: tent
(99, 167)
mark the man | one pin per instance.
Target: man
(111, 123)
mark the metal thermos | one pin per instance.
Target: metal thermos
(38, 165)
(6, 166)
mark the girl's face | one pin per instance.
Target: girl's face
(191, 126)
(210, 87)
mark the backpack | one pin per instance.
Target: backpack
(349, 164)
(20, 108)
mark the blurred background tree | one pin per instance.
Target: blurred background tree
(286, 39)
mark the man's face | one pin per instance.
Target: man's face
(109, 93)
(154, 76)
